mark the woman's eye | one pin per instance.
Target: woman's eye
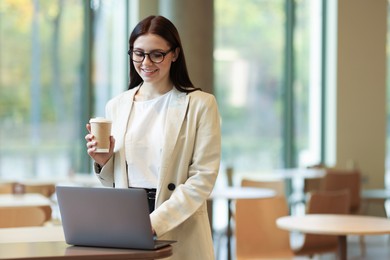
(138, 53)
(156, 55)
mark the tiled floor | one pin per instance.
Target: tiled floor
(377, 248)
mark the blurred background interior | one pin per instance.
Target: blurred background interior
(299, 83)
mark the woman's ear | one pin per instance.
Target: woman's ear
(176, 54)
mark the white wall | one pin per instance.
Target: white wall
(358, 88)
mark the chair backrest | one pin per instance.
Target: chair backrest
(324, 202)
(277, 185)
(46, 190)
(328, 202)
(7, 187)
(338, 179)
(257, 235)
(312, 184)
(21, 217)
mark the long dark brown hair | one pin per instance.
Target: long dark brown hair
(164, 28)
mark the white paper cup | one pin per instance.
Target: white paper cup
(101, 130)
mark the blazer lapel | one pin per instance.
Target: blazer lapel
(175, 116)
(125, 107)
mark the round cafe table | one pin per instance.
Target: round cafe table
(235, 193)
(334, 224)
(295, 173)
(23, 200)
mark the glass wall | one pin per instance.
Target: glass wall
(268, 82)
(249, 53)
(307, 82)
(40, 82)
(110, 37)
(387, 167)
(59, 61)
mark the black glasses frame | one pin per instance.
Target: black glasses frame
(144, 54)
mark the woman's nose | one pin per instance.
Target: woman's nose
(147, 60)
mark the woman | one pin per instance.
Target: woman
(166, 139)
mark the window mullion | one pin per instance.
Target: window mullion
(289, 154)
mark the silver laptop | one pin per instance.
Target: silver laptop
(106, 217)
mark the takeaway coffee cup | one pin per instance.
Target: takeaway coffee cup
(101, 129)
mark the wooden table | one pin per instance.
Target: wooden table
(48, 243)
(340, 225)
(27, 200)
(292, 173)
(76, 179)
(60, 250)
(31, 234)
(235, 193)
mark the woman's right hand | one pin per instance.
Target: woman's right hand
(99, 158)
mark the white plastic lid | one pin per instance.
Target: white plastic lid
(100, 120)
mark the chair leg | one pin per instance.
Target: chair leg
(217, 247)
(362, 246)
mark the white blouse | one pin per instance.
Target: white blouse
(144, 140)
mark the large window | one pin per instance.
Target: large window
(268, 82)
(62, 60)
(59, 64)
(40, 83)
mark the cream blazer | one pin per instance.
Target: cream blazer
(190, 163)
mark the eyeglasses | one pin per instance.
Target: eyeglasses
(154, 56)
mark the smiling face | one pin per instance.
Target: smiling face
(155, 74)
